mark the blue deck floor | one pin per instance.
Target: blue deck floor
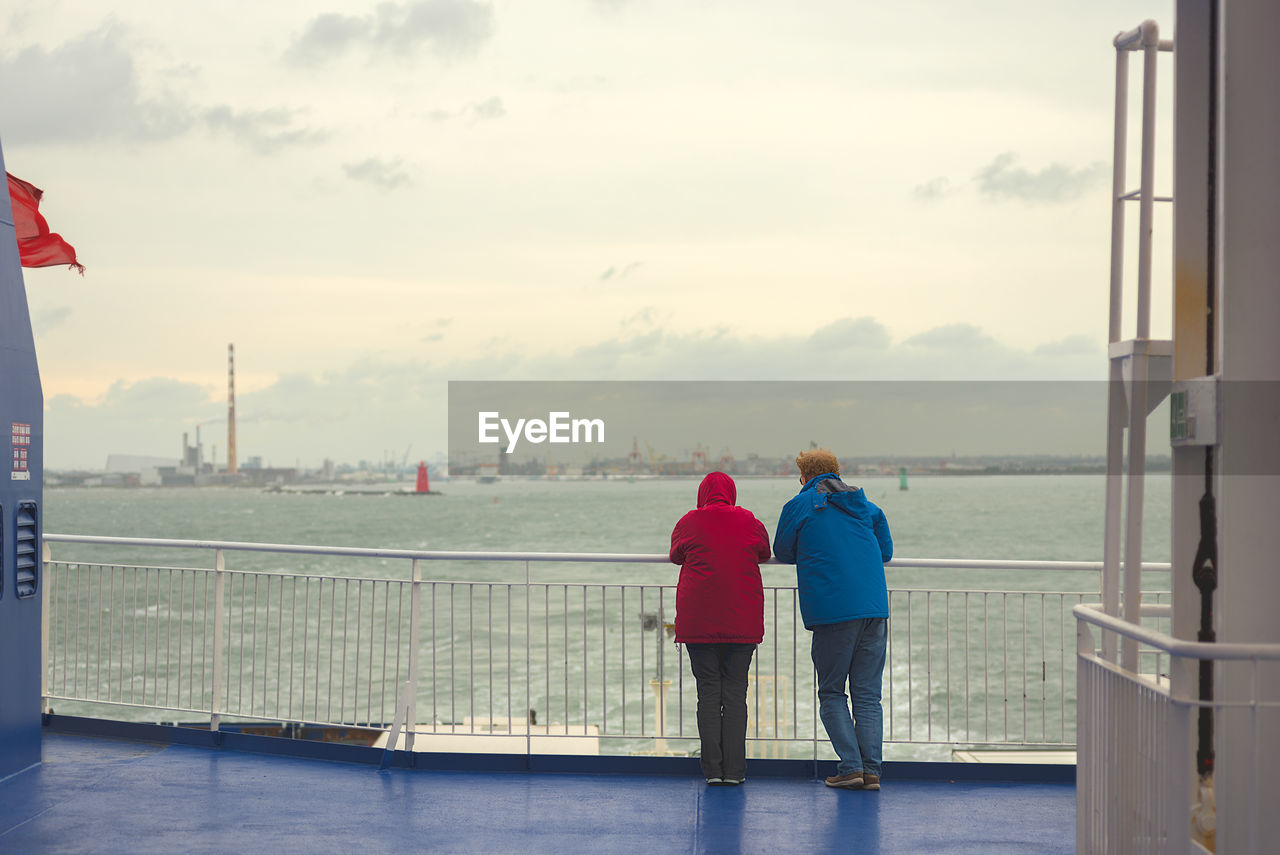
(99, 795)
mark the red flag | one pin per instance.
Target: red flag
(37, 246)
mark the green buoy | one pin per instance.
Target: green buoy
(902, 478)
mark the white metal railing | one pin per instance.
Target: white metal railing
(484, 658)
(1140, 367)
(1136, 766)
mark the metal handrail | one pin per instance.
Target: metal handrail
(1092, 613)
(1146, 33)
(565, 557)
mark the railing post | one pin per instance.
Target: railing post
(45, 557)
(528, 668)
(1146, 189)
(660, 687)
(1117, 402)
(1179, 771)
(1084, 759)
(661, 683)
(219, 615)
(415, 628)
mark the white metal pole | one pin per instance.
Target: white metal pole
(528, 670)
(1086, 820)
(659, 687)
(1138, 375)
(45, 557)
(415, 629)
(1116, 418)
(1115, 396)
(1117, 193)
(219, 595)
(1134, 498)
(1176, 789)
(1146, 204)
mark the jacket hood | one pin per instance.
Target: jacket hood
(829, 489)
(717, 487)
(828, 482)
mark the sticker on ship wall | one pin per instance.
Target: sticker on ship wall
(20, 439)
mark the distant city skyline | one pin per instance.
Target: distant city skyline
(576, 421)
(371, 199)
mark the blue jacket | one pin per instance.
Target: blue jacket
(839, 542)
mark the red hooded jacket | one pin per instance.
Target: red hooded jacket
(719, 547)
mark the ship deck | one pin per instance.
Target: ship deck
(96, 794)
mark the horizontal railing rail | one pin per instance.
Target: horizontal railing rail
(1092, 613)
(560, 557)
(523, 662)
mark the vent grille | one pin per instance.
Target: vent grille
(26, 538)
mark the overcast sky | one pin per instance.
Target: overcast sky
(373, 198)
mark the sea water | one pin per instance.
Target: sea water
(1031, 517)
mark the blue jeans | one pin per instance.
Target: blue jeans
(852, 652)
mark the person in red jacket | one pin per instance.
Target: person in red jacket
(720, 617)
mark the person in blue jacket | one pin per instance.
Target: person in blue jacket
(839, 542)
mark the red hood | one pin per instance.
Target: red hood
(717, 487)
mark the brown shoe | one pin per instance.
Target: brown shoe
(870, 782)
(852, 781)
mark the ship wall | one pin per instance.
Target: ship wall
(21, 512)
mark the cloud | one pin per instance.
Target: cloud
(1002, 179)
(449, 29)
(386, 174)
(435, 329)
(620, 273)
(607, 6)
(955, 338)
(843, 349)
(645, 317)
(490, 108)
(1074, 345)
(480, 111)
(47, 320)
(327, 35)
(84, 90)
(89, 89)
(265, 131)
(144, 417)
(851, 333)
(136, 398)
(934, 188)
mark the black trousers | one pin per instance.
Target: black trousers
(721, 673)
